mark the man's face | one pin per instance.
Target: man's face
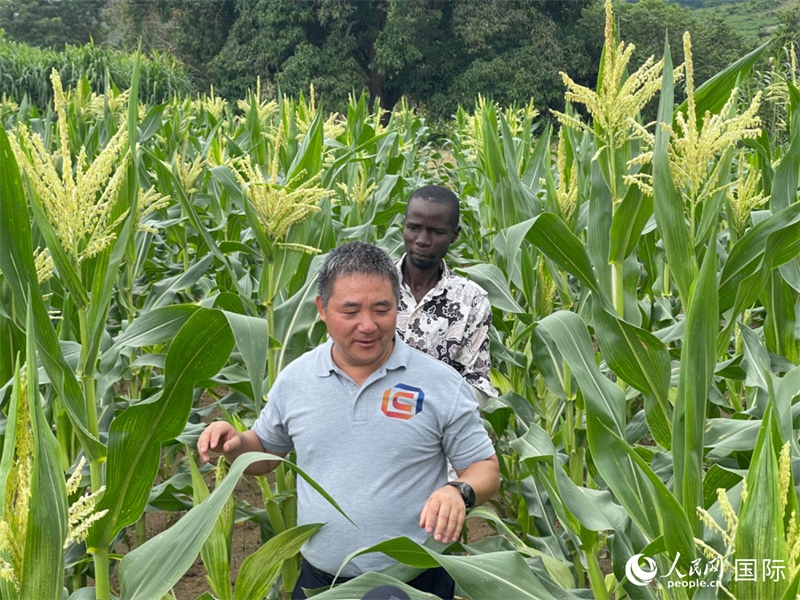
(428, 232)
(361, 316)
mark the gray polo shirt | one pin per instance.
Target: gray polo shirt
(378, 449)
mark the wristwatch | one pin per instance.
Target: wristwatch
(467, 493)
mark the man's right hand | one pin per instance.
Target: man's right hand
(222, 438)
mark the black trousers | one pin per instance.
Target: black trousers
(433, 581)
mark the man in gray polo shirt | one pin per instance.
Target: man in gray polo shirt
(372, 420)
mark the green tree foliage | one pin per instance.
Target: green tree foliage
(52, 23)
(436, 52)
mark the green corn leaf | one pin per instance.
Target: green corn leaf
(556, 569)
(308, 160)
(216, 549)
(177, 192)
(641, 360)
(107, 265)
(7, 589)
(598, 243)
(368, 582)
(43, 563)
(152, 569)
(594, 509)
(534, 445)
(646, 499)
(260, 570)
(714, 93)
(667, 203)
(252, 340)
(760, 534)
(494, 575)
(295, 318)
(198, 352)
(492, 279)
(552, 236)
(155, 326)
(629, 221)
(756, 364)
(570, 335)
(765, 246)
(698, 359)
(16, 263)
(779, 325)
(784, 186)
(549, 361)
(163, 292)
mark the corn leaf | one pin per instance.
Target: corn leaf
(383, 586)
(646, 499)
(216, 549)
(198, 352)
(491, 279)
(784, 186)
(698, 359)
(260, 570)
(760, 534)
(16, 263)
(43, 564)
(7, 588)
(295, 318)
(153, 568)
(252, 340)
(667, 203)
(714, 93)
(597, 236)
(494, 575)
(765, 246)
(628, 222)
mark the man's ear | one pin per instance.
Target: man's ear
(320, 308)
(456, 231)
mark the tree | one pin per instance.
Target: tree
(52, 23)
(436, 52)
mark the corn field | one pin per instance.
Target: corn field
(158, 262)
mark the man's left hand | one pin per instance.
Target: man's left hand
(443, 514)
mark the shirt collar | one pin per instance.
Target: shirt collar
(441, 285)
(398, 359)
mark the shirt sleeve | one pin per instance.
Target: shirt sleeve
(465, 440)
(270, 426)
(474, 351)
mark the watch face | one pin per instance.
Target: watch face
(468, 494)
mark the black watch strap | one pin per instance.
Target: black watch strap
(467, 493)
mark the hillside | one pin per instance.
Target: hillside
(751, 17)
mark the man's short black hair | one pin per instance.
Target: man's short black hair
(439, 195)
(356, 257)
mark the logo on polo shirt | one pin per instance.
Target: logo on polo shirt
(402, 401)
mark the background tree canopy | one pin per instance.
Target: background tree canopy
(436, 53)
(52, 23)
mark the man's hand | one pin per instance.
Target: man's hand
(220, 437)
(224, 438)
(443, 514)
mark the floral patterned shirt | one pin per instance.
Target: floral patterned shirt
(451, 323)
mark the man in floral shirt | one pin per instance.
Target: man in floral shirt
(442, 314)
